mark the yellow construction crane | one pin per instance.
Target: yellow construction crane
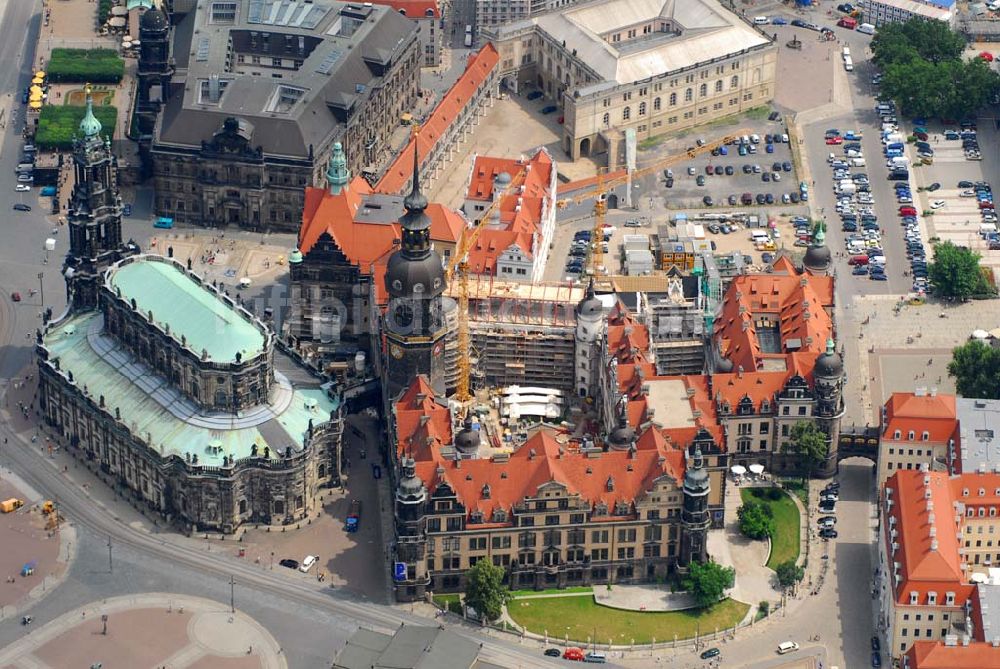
(600, 192)
(460, 264)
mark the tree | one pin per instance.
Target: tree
(756, 520)
(708, 582)
(955, 272)
(975, 366)
(809, 443)
(933, 41)
(485, 590)
(789, 573)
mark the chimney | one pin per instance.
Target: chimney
(934, 544)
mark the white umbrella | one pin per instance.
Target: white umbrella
(980, 334)
(756, 469)
(738, 470)
(116, 22)
(119, 11)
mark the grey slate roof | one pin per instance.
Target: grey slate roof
(352, 64)
(411, 647)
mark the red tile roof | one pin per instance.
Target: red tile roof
(367, 245)
(936, 655)
(757, 386)
(795, 303)
(423, 426)
(520, 213)
(927, 563)
(906, 412)
(414, 9)
(478, 70)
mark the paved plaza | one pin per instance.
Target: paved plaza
(25, 541)
(152, 630)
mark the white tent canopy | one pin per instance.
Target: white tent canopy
(738, 470)
(757, 469)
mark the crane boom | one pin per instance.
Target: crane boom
(460, 264)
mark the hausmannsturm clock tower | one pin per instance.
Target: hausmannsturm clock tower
(414, 326)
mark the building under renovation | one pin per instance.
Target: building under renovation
(520, 333)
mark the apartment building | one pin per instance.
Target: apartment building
(917, 428)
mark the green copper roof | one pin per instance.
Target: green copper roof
(295, 257)
(90, 126)
(337, 174)
(150, 411)
(189, 309)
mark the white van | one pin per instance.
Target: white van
(849, 64)
(847, 52)
(858, 162)
(757, 236)
(760, 20)
(787, 647)
(866, 29)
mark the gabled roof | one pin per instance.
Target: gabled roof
(936, 655)
(362, 239)
(491, 244)
(539, 462)
(906, 412)
(929, 560)
(796, 303)
(413, 9)
(758, 386)
(397, 178)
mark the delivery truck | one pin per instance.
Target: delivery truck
(10, 505)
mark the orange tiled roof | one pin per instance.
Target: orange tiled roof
(936, 655)
(539, 461)
(796, 305)
(936, 414)
(422, 424)
(757, 386)
(413, 9)
(367, 245)
(927, 564)
(520, 212)
(478, 70)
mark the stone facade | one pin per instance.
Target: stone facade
(268, 488)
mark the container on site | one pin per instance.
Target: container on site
(9, 505)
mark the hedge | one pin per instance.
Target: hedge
(58, 124)
(96, 66)
(103, 11)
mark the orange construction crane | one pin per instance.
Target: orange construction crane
(600, 192)
(460, 264)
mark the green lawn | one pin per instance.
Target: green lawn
(785, 542)
(553, 591)
(581, 617)
(449, 602)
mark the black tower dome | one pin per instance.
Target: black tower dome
(415, 271)
(153, 20)
(590, 305)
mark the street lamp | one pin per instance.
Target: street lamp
(41, 288)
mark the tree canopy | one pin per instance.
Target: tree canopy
(924, 73)
(809, 443)
(756, 520)
(955, 272)
(789, 573)
(708, 582)
(485, 590)
(975, 366)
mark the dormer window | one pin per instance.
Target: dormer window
(476, 517)
(949, 599)
(610, 484)
(897, 434)
(621, 509)
(926, 436)
(965, 492)
(913, 597)
(601, 509)
(486, 491)
(982, 492)
(910, 435)
(499, 516)
(931, 599)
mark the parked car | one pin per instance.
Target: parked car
(828, 533)
(21, 207)
(700, 180)
(573, 654)
(549, 109)
(534, 95)
(22, 188)
(289, 563)
(876, 646)
(710, 653)
(553, 652)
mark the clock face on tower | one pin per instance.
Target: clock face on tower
(395, 351)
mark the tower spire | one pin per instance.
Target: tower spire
(415, 201)
(90, 126)
(337, 174)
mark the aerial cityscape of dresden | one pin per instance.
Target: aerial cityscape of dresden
(499, 334)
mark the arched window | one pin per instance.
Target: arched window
(688, 95)
(673, 99)
(656, 104)
(703, 90)
(718, 86)
(626, 113)
(642, 109)
(607, 119)
(734, 82)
